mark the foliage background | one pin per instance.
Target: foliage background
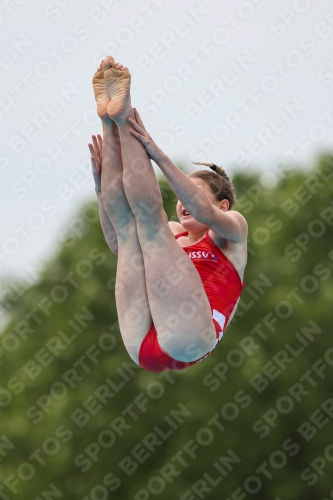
(269, 467)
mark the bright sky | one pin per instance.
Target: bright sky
(239, 83)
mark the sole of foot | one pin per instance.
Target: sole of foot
(118, 81)
(102, 96)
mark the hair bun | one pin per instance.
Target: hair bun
(219, 170)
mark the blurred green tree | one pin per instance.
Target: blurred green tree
(81, 421)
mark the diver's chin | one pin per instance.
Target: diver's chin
(189, 222)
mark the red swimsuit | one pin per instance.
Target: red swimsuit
(223, 288)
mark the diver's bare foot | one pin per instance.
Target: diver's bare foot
(118, 80)
(101, 93)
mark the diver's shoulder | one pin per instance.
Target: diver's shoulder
(175, 227)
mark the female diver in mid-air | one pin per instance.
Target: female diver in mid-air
(177, 285)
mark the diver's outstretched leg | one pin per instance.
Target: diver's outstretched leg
(130, 291)
(178, 303)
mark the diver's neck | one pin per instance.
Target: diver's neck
(196, 236)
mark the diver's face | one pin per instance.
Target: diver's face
(187, 219)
